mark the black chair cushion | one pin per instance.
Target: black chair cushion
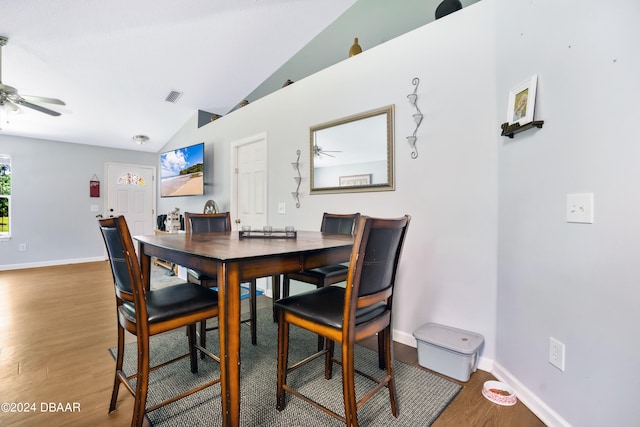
(327, 271)
(325, 306)
(174, 301)
(199, 276)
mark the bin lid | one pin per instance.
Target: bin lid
(458, 340)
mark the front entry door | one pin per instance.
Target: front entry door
(131, 191)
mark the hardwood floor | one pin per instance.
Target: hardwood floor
(56, 324)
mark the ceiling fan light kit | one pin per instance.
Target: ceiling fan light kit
(11, 99)
(141, 139)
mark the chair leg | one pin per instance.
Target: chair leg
(119, 360)
(388, 354)
(191, 332)
(286, 286)
(328, 360)
(275, 289)
(203, 324)
(142, 382)
(252, 310)
(348, 386)
(283, 355)
(320, 337)
(203, 336)
(381, 349)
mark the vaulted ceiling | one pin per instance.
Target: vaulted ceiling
(115, 62)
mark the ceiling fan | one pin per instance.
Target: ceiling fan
(318, 151)
(11, 99)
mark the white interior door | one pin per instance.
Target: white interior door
(249, 203)
(249, 193)
(131, 191)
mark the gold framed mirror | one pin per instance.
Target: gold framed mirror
(353, 154)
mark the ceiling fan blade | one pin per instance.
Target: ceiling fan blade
(39, 108)
(43, 99)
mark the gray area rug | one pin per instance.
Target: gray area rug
(162, 277)
(422, 396)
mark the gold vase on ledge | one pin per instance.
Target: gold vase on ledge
(355, 49)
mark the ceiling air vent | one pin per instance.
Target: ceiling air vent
(173, 96)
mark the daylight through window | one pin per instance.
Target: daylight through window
(5, 195)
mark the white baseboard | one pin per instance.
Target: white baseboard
(529, 399)
(404, 338)
(50, 263)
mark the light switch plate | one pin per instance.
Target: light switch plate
(282, 208)
(580, 208)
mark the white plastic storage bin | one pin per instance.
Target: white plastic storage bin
(449, 351)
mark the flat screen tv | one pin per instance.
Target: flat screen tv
(182, 172)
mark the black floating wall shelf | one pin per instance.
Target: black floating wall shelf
(510, 130)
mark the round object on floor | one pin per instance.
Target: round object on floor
(499, 393)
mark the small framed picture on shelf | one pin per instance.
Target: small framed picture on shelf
(522, 100)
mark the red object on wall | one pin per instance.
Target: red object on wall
(94, 188)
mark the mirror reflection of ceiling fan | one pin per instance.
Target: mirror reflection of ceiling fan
(12, 100)
(318, 151)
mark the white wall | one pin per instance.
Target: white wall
(448, 270)
(50, 203)
(577, 283)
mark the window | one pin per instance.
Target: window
(5, 195)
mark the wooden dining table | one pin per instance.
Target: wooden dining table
(235, 260)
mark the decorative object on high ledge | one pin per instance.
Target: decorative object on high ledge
(297, 179)
(413, 100)
(447, 7)
(287, 83)
(355, 48)
(521, 108)
(244, 103)
(215, 117)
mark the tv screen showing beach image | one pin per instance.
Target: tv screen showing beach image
(182, 172)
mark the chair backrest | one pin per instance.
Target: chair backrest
(127, 275)
(373, 265)
(207, 223)
(339, 223)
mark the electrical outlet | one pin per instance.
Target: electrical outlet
(580, 208)
(282, 208)
(22, 247)
(556, 353)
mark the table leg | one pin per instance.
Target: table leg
(229, 321)
(145, 266)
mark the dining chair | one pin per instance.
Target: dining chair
(328, 274)
(144, 312)
(346, 315)
(217, 222)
